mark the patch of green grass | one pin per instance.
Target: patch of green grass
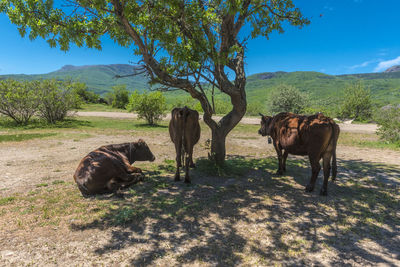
(6, 200)
(18, 137)
(42, 185)
(58, 182)
(365, 140)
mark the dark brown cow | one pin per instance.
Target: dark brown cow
(315, 136)
(184, 129)
(108, 168)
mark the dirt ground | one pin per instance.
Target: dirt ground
(257, 219)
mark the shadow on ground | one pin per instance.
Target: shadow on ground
(249, 216)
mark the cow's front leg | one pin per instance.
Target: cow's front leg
(280, 158)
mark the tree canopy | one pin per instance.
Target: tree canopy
(183, 44)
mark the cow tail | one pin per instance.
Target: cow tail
(183, 150)
(334, 140)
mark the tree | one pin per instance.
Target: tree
(120, 96)
(357, 103)
(388, 120)
(56, 99)
(183, 44)
(84, 94)
(18, 100)
(287, 98)
(149, 106)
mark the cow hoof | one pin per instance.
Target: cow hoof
(309, 188)
(323, 192)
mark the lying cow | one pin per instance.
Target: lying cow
(108, 168)
(184, 129)
(315, 136)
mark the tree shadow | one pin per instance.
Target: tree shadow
(252, 217)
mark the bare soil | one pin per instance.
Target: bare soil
(252, 219)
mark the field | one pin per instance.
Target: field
(241, 214)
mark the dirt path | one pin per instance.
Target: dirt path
(356, 128)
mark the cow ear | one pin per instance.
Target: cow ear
(141, 142)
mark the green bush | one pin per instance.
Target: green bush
(120, 96)
(255, 108)
(18, 100)
(56, 99)
(287, 98)
(389, 124)
(357, 103)
(149, 106)
(84, 94)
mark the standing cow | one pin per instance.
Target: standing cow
(108, 168)
(315, 136)
(184, 129)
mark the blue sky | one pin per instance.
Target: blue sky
(345, 36)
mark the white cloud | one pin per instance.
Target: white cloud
(383, 65)
(362, 65)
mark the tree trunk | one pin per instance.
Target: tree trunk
(218, 150)
(220, 130)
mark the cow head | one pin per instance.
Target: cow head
(265, 125)
(142, 151)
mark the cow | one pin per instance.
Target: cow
(108, 168)
(184, 130)
(315, 136)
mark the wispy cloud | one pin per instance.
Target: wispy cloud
(364, 64)
(383, 65)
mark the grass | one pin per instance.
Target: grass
(24, 136)
(365, 140)
(262, 218)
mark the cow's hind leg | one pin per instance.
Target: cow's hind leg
(315, 168)
(285, 155)
(327, 169)
(187, 177)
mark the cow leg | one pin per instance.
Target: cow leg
(280, 158)
(327, 169)
(187, 177)
(285, 155)
(315, 168)
(190, 154)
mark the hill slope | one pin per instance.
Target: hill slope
(324, 89)
(98, 78)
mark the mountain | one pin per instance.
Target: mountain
(98, 78)
(324, 89)
(393, 69)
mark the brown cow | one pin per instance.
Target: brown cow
(184, 129)
(315, 136)
(108, 168)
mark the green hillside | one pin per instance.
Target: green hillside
(324, 89)
(98, 78)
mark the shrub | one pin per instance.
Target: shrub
(56, 99)
(18, 100)
(120, 96)
(149, 106)
(287, 98)
(389, 124)
(357, 103)
(255, 108)
(84, 94)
